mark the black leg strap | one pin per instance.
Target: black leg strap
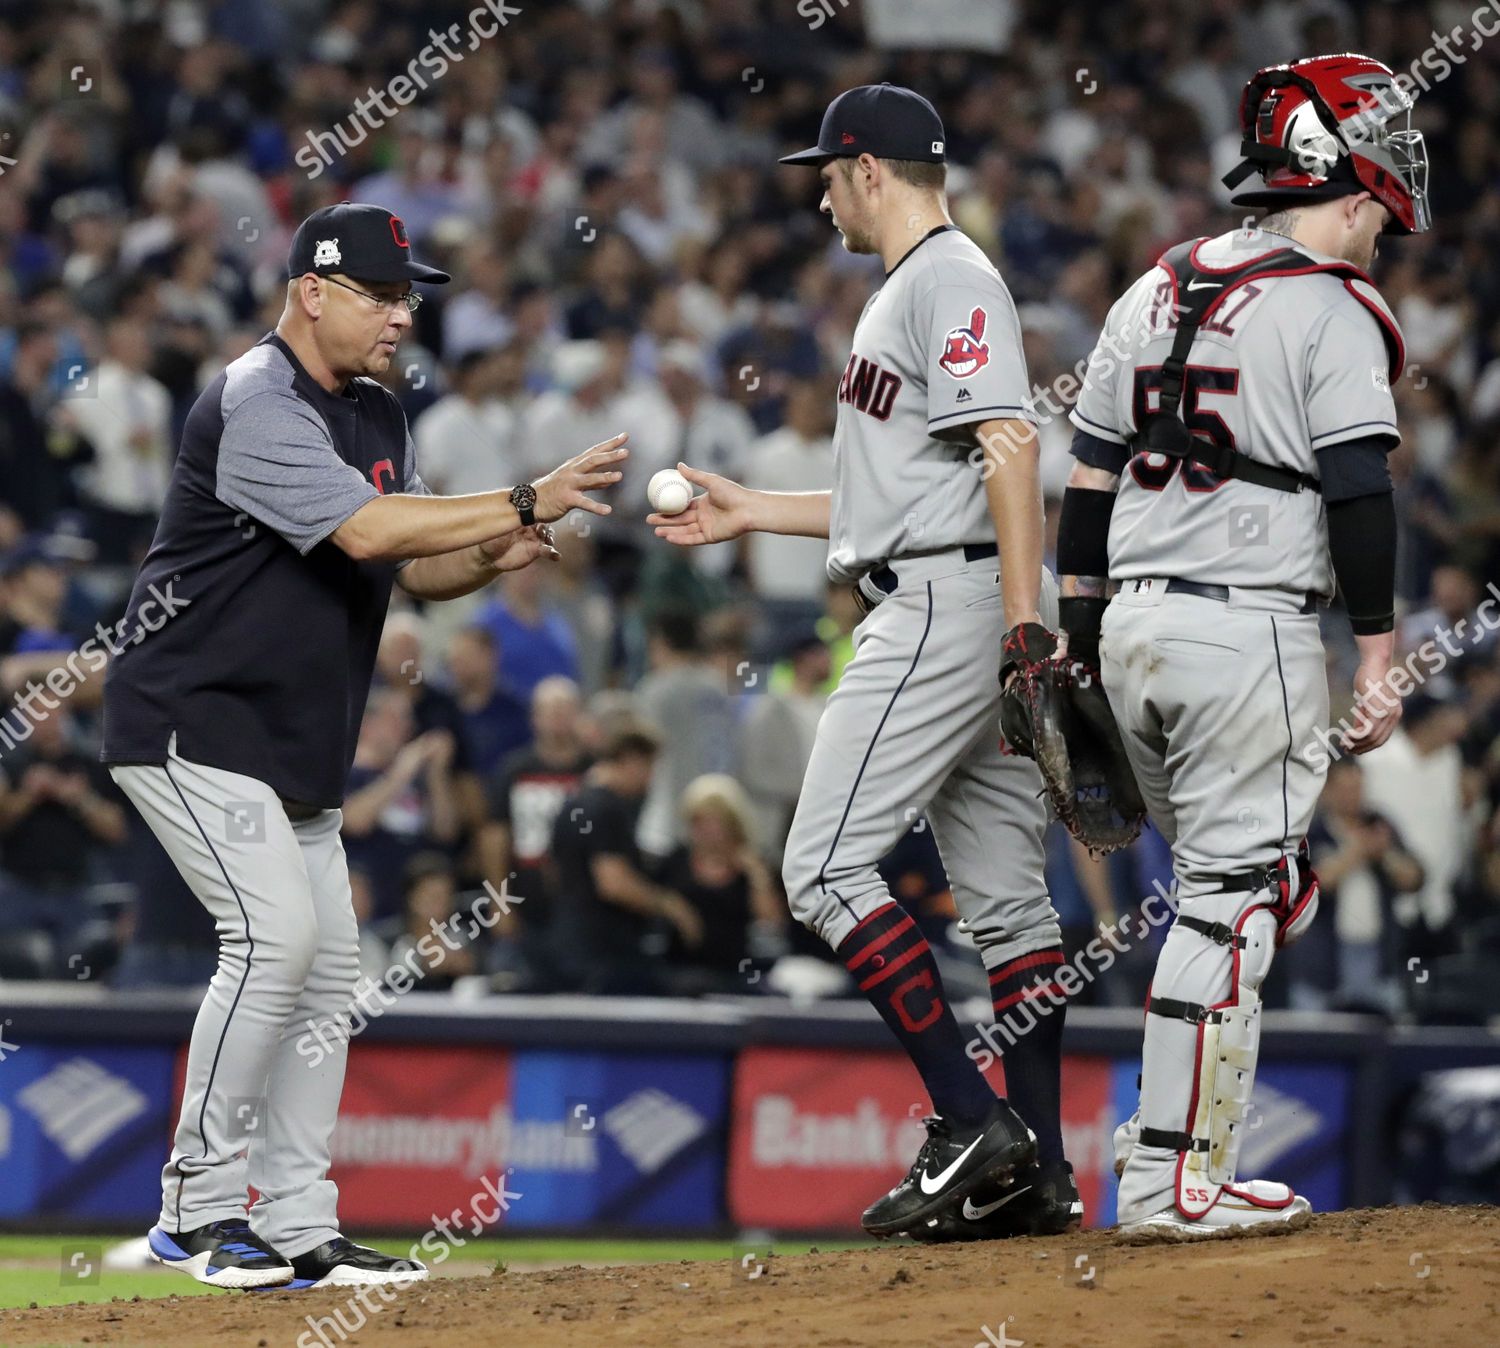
(1220, 933)
(1172, 1141)
(1191, 1012)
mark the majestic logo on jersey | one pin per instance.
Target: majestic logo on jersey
(868, 388)
(964, 349)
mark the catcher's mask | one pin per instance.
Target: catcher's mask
(1322, 128)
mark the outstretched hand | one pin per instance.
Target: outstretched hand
(565, 488)
(719, 513)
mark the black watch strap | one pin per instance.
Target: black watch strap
(524, 500)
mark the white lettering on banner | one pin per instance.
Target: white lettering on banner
(476, 1146)
(78, 1105)
(780, 1135)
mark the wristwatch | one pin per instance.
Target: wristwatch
(524, 500)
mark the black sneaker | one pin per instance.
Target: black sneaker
(222, 1254)
(1037, 1202)
(341, 1263)
(952, 1163)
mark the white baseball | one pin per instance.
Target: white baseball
(669, 492)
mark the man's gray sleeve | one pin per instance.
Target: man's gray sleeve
(1348, 395)
(277, 463)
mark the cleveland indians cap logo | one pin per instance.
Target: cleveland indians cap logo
(964, 349)
(398, 232)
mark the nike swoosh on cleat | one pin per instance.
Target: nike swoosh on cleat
(931, 1184)
(973, 1214)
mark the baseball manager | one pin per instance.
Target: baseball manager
(294, 505)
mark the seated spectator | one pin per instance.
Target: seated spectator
(431, 939)
(741, 916)
(1353, 955)
(606, 904)
(495, 720)
(401, 799)
(525, 795)
(59, 813)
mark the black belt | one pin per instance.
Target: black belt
(884, 579)
(1220, 593)
(299, 813)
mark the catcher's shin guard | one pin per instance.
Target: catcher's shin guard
(1198, 1067)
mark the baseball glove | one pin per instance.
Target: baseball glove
(1054, 710)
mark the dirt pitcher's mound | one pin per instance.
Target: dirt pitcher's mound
(1395, 1276)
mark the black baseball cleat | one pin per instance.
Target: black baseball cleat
(341, 1263)
(953, 1162)
(1039, 1201)
(221, 1254)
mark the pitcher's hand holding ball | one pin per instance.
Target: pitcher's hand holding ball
(721, 511)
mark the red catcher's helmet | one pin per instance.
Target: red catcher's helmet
(1322, 128)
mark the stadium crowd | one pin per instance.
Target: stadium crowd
(600, 178)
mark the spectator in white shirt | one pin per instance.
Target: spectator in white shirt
(126, 415)
(1415, 779)
(466, 441)
(477, 318)
(789, 574)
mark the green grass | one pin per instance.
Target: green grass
(40, 1262)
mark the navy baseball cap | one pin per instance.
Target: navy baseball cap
(883, 120)
(359, 240)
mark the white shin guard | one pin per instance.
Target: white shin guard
(1201, 1045)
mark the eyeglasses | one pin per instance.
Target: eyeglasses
(411, 299)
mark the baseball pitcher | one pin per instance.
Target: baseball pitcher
(935, 486)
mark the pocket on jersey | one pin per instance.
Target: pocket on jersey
(1195, 646)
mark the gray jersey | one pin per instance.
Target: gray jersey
(937, 349)
(1285, 367)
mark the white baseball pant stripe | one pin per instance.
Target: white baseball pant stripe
(255, 1110)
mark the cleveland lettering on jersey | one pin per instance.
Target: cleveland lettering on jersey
(868, 388)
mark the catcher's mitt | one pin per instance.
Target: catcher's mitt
(1054, 710)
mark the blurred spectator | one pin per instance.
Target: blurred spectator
(431, 940)
(580, 597)
(38, 454)
(790, 574)
(686, 699)
(1415, 780)
(59, 813)
(606, 904)
(477, 319)
(534, 637)
(126, 415)
(777, 739)
(1455, 596)
(466, 441)
(400, 666)
(400, 797)
(741, 915)
(1354, 953)
(495, 720)
(525, 795)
